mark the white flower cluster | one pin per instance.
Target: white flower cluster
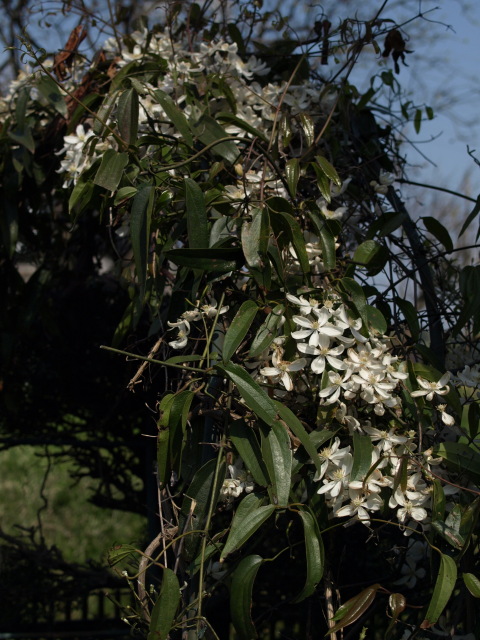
(360, 379)
(199, 312)
(187, 64)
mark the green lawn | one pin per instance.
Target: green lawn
(79, 529)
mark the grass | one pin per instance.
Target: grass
(82, 531)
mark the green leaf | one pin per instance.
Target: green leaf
(121, 552)
(438, 501)
(358, 297)
(288, 231)
(103, 113)
(277, 456)
(417, 121)
(354, 608)
(375, 320)
(127, 116)
(255, 236)
(123, 194)
(195, 504)
(397, 603)
(328, 170)
(323, 182)
(23, 137)
(444, 585)
(308, 128)
(410, 314)
(230, 117)
(239, 328)
(177, 422)
(140, 218)
(292, 173)
(111, 169)
(299, 431)
(255, 398)
(472, 583)
(243, 529)
(197, 222)
(285, 130)
(208, 131)
(315, 555)
(461, 458)
(245, 442)
(474, 213)
(326, 230)
(165, 608)
(52, 93)
(438, 231)
(217, 260)
(362, 456)
(176, 116)
(372, 255)
(241, 597)
(267, 332)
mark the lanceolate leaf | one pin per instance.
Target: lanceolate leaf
(217, 260)
(50, 90)
(292, 173)
(277, 456)
(327, 239)
(176, 115)
(197, 222)
(141, 215)
(239, 328)
(314, 555)
(255, 235)
(165, 608)
(461, 458)
(196, 501)
(308, 128)
(447, 576)
(127, 116)
(328, 170)
(298, 430)
(352, 610)
(242, 529)
(255, 398)
(362, 456)
(241, 597)
(438, 231)
(111, 169)
(472, 583)
(208, 130)
(230, 117)
(267, 332)
(245, 442)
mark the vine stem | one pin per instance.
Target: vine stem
(153, 361)
(207, 528)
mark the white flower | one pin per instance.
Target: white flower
(446, 417)
(337, 383)
(386, 180)
(333, 215)
(282, 368)
(337, 477)
(324, 354)
(313, 329)
(360, 505)
(306, 306)
(183, 330)
(429, 389)
(387, 438)
(332, 454)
